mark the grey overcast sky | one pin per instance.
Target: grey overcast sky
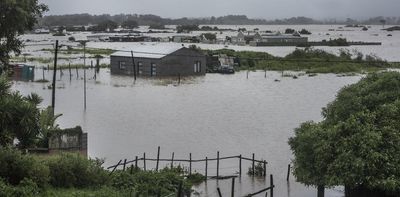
(267, 9)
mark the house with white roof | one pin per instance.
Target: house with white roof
(158, 60)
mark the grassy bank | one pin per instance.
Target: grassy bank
(73, 175)
(309, 60)
(91, 51)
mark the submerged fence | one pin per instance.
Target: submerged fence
(135, 163)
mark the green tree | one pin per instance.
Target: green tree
(130, 24)
(15, 18)
(210, 36)
(22, 119)
(357, 143)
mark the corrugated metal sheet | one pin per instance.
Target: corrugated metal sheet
(153, 51)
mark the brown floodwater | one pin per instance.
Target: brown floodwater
(203, 115)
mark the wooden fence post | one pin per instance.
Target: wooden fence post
(132, 169)
(172, 160)
(288, 173)
(272, 185)
(180, 190)
(136, 162)
(253, 167)
(158, 158)
(124, 165)
(240, 165)
(116, 166)
(217, 164)
(70, 74)
(233, 187)
(206, 173)
(144, 161)
(190, 163)
(219, 192)
(265, 168)
(43, 74)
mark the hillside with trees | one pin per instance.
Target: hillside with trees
(149, 19)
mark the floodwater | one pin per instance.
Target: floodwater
(202, 115)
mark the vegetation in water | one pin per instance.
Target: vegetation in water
(258, 170)
(91, 51)
(309, 60)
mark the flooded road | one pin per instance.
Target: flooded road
(226, 113)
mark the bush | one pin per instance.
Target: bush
(73, 170)
(258, 170)
(26, 188)
(14, 167)
(152, 183)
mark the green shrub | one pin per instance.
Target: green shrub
(151, 183)
(14, 167)
(74, 170)
(258, 170)
(26, 188)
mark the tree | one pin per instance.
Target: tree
(107, 25)
(15, 18)
(210, 36)
(357, 143)
(383, 22)
(22, 119)
(129, 24)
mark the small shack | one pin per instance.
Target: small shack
(23, 72)
(70, 140)
(159, 60)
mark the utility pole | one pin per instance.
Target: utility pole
(53, 91)
(134, 67)
(83, 43)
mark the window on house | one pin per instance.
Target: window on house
(197, 67)
(153, 69)
(140, 68)
(122, 65)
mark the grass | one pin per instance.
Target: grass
(74, 66)
(91, 51)
(308, 60)
(94, 192)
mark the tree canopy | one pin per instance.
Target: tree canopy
(358, 142)
(130, 24)
(16, 16)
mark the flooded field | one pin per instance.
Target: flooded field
(226, 113)
(202, 115)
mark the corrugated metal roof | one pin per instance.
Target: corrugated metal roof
(153, 51)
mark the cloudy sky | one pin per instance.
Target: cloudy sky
(267, 9)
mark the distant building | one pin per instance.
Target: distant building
(42, 31)
(279, 40)
(186, 39)
(159, 60)
(239, 39)
(98, 38)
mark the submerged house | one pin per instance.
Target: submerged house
(159, 60)
(279, 40)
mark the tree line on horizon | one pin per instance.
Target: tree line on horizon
(150, 19)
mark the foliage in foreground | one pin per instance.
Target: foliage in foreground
(357, 143)
(22, 119)
(71, 174)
